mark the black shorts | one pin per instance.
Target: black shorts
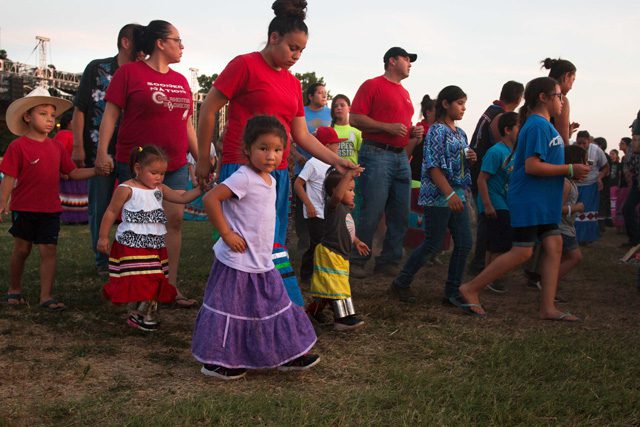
(499, 233)
(40, 228)
(528, 236)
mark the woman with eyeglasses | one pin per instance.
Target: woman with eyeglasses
(156, 106)
(535, 200)
(564, 72)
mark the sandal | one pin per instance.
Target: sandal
(565, 317)
(15, 297)
(462, 304)
(184, 302)
(53, 306)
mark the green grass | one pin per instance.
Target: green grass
(411, 365)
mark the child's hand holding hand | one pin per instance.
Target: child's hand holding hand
(578, 207)
(103, 245)
(362, 248)
(234, 241)
(345, 167)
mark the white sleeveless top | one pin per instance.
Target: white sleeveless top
(143, 220)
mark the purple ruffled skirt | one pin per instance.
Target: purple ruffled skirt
(248, 321)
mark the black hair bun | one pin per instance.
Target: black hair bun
(549, 63)
(290, 8)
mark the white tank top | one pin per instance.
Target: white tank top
(143, 219)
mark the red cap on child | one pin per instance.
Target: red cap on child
(327, 135)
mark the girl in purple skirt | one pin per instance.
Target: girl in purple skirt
(247, 320)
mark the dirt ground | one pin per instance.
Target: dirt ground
(84, 363)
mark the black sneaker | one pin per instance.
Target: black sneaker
(301, 363)
(403, 294)
(320, 318)
(348, 323)
(102, 270)
(357, 271)
(498, 287)
(223, 373)
(137, 321)
(390, 270)
(447, 302)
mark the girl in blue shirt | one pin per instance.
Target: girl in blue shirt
(535, 200)
(445, 177)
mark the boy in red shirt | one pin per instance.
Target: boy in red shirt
(34, 162)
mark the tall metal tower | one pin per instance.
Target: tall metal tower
(195, 87)
(43, 44)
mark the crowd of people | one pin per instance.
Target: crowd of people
(352, 168)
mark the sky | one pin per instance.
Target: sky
(475, 45)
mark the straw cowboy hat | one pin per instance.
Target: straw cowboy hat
(38, 96)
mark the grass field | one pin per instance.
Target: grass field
(425, 364)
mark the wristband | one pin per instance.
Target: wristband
(570, 170)
(568, 211)
(450, 195)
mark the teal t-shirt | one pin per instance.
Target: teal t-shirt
(495, 164)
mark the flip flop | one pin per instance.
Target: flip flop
(461, 303)
(47, 305)
(15, 296)
(184, 302)
(564, 318)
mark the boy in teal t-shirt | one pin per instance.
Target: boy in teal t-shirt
(493, 183)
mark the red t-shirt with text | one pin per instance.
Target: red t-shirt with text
(155, 110)
(384, 101)
(254, 88)
(36, 166)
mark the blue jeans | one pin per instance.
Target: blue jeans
(385, 186)
(100, 192)
(437, 220)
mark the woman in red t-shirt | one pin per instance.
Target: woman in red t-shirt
(260, 83)
(156, 105)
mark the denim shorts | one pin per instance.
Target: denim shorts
(528, 236)
(176, 180)
(569, 243)
(40, 228)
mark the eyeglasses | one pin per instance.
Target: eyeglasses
(558, 94)
(175, 39)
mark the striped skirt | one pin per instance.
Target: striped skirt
(330, 275)
(138, 274)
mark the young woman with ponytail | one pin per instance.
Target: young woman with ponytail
(260, 83)
(564, 72)
(535, 200)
